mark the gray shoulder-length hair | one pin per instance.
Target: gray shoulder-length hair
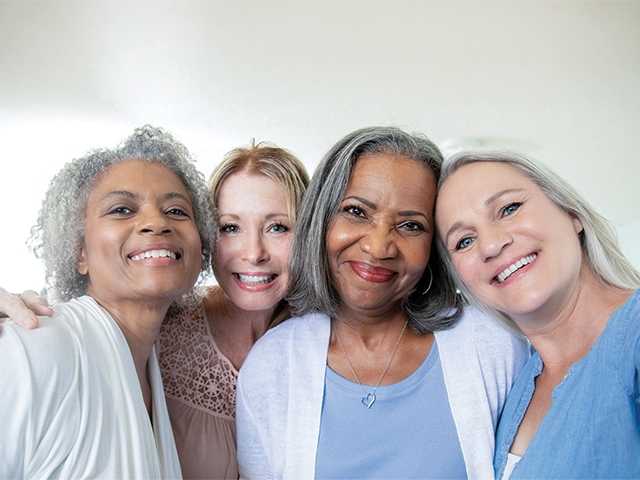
(59, 232)
(312, 287)
(598, 238)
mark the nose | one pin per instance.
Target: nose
(255, 251)
(379, 242)
(493, 240)
(154, 222)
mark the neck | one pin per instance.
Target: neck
(369, 331)
(249, 324)
(581, 316)
(235, 330)
(140, 323)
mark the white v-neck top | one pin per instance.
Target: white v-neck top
(71, 404)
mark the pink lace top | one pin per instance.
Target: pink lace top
(200, 386)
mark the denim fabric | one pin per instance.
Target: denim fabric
(592, 429)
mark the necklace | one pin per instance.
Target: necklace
(370, 398)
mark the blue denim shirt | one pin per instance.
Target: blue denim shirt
(592, 429)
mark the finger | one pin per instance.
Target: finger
(36, 303)
(13, 307)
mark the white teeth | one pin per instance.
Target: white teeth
(506, 273)
(154, 254)
(255, 278)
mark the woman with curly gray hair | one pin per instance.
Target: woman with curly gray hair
(124, 234)
(256, 191)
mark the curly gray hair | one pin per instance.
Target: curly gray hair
(58, 234)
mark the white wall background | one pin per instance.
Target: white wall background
(557, 79)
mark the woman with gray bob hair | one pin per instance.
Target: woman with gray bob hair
(527, 247)
(57, 236)
(312, 288)
(380, 334)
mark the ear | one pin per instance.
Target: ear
(577, 224)
(82, 265)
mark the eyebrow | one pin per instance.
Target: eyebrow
(403, 213)
(135, 196)
(497, 195)
(270, 216)
(487, 202)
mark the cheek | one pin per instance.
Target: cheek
(417, 254)
(465, 269)
(340, 235)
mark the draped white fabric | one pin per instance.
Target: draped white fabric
(71, 404)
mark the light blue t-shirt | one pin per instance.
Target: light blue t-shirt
(407, 433)
(592, 429)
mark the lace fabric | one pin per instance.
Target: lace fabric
(194, 371)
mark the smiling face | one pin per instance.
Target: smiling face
(379, 242)
(254, 241)
(515, 249)
(141, 241)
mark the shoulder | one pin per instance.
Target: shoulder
(486, 332)
(269, 359)
(56, 339)
(182, 320)
(494, 344)
(622, 344)
(49, 355)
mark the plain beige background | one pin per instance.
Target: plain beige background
(555, 79)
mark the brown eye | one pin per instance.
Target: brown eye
(355, 211)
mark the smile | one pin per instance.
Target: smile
(370, 273)
(156, 253)
(514, 267)
(255, 282)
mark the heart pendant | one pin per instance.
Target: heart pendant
(369, 399)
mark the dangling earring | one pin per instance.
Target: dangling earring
(430, 280)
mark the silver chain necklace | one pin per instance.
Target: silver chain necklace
(370, 398)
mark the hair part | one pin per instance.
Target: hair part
(598, 239)
(273, 162)
(58, 235)
(312, 286)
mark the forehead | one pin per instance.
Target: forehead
(392, 177)
(140, 177)
(483, 179)
(251, 193)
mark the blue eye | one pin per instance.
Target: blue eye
(229, 228)
(510, 209)
(464, 243)
(277, 228)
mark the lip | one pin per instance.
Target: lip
(371, 273)
(518, 273)
(255, 287)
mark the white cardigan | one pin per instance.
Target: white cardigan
(281, 385)
(71, 404)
